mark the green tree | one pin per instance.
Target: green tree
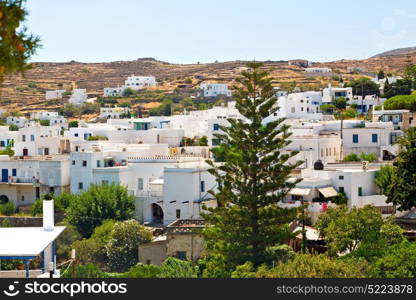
(410, 75)
(386, 178)
(400, 87)
(253, 178)
(122, 249)
(316, 266)
(128, 92)
(346, 230)
(401, 102)
(83, 271)
(328, 108)
(203, 141)
(16, 46)
(44, 122)
(72, 124)
(399, 261)
(340, 103)
(65, 241)
(89, 209)
(13, 127)
(402, 191)
(364, 86)
(381, 75)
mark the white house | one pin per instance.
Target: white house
(113, 92)
(318, 70)
(18, 121)
(114, 112)
(7, 137)
(140, 82)
(330, 93)
(214, 90)
(38, 140)
(52, 116)
(370, 138)
(351, 179)
(78, 97)
(56, 94)
(23, 180)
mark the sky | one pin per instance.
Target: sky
(186, 31)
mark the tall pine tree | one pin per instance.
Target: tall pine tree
(253, 178)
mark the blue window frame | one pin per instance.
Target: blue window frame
(2, 144)
(374, 138)
(14, 172)
(32, 137)
(216, 127)
(355, 138)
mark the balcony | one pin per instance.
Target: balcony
(22, 181)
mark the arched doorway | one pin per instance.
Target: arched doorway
(157, 214)
(4, 199)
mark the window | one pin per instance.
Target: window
(140, 184)
(98, 163)
(104, 182)
(76, 134)
(374, 138)
(80, 186)
(23, 138)
(73, 162)
(292, 110)
(360, 191)
(14, 172)
(322, 152)
(178, 214)
(355, 138)
(202, 186)
(216, 127)
(52, 190)
(181, 255)
(84, 163)
(32, 137)
(23, 198)
(2, 143)
(341, 190)
(341, 177)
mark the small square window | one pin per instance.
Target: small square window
(181, 255)
(341, 177)
(178, 214)
(355, 138)
(73, 162)
(84, 163)
(80, 186)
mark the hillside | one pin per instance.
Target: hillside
(27, 93)
(399, 51)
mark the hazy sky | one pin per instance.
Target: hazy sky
(186, 31)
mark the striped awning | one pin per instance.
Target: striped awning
(328, 192)
(300, 192)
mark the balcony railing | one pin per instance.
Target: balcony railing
(15, 179)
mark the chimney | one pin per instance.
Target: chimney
(48, 215)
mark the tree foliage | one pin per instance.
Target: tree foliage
(16, 44)
(253, 178)
(401, 191)
(89, 209)
(122, 248)
(363, 87)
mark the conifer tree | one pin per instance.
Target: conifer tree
(253, 178)
(16, 45)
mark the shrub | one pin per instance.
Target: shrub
(100, 202)
(44, 122)
(7, 208)
(122, 249)
(13, 127)
(84, 271)
(73, 124)
(401, 102)
(352, 157)
(97, 138)
(176, 268)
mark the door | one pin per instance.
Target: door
(4, 175)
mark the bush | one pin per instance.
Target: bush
(100, 202)
(352, 157)
(84, 271)
(65, 241)
(176, 268)
(315, 266)
(73, 124)
(13, 127)
(44, 122)
(138, 271)
(97, 138)
(401, 102)
(7, 208)
(122, 249)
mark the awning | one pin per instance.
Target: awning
(328, 192)
(299, 192)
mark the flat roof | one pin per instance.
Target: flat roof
(26, 241)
